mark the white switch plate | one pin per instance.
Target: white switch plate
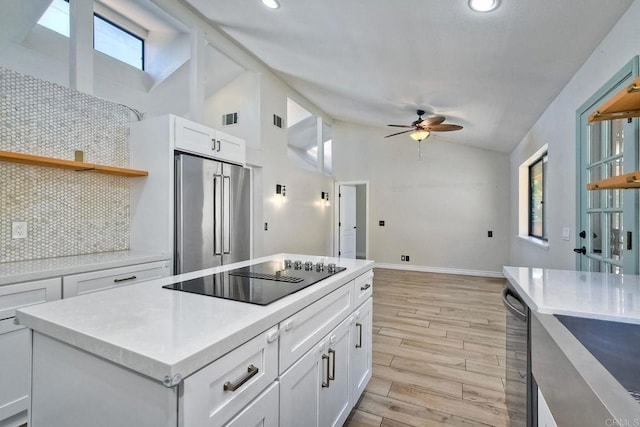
(566, 233)
(18, 230)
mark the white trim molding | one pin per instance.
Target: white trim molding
(442, 270)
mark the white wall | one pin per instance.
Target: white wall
(557, 127)
(437, 210)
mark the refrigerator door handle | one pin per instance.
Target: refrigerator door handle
(217, 200)
(226, 214)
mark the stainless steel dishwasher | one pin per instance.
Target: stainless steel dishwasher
(519, 381)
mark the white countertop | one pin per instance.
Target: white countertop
(578, 293)
(163, 333)
(26, 271)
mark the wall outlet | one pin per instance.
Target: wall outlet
(18, 230)
(402, 257)
(381, 223)
(406, 257)
(266, 226)
(489, 233)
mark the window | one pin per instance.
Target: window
(108, 37)
(537, 192)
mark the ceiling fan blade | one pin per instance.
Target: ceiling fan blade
(443, 128)
(400, 126)
(399, 133)
(431, 121)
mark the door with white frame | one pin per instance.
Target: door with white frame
(352, 218)
(607, 234)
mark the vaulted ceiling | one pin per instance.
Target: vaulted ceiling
(375, 62)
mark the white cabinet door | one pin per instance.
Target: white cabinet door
(363, 288)
(300, 390)
(261, 412)
(194, 137)
(230, 148)
(15, 373)
(84, 283)
(303, 330)
(335, 404)
(361, 349)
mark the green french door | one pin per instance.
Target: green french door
(607, 237)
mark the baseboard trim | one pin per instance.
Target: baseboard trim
(442, 270)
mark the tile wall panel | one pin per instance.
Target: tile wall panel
(68, 212)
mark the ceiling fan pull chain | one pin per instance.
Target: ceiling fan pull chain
(420, 151)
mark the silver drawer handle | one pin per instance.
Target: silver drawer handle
(124, 279)
(359, 326)
(326, 384)
(251, 372)
(365, 287)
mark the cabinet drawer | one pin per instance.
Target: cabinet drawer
(263, 411)
(300, 332)
(84, 283)
(363, 288)
(208, 396)
(12, 297)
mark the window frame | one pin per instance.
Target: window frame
(542, 160)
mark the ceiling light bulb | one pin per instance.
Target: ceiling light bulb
(271, 4)
(419, 134)
(483, 5)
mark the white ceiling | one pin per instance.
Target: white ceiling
(374, 62)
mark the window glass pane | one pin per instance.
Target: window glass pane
(56, 17)
(594, 135)
(536, 206)
(117, 43)
(596, 233)
(595, 197)
(616, 236)
(616, 138)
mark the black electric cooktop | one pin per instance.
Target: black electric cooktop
(261, 283)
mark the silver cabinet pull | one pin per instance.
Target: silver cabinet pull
(124, 279)
(214, 144)
(251, 372)
(332, 377)
(359, 326)
(218, 146)
(325, 384)
(365, 287)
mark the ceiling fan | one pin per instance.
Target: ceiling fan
(421, 128)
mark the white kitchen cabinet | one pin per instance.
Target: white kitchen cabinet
(315, 390)
(202, 140)
(361, 349)
(83, 283)
(263, 411)
(215, 394)
(545, 418)
(15, 373)
(300, 332)
(15, 347)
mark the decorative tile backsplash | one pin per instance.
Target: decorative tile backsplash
(67, 212)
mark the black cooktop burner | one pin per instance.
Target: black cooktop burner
(259, 284)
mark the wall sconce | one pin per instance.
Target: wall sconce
(282, 191)
(325, 196)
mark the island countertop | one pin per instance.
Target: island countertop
(614, 297)
(169, 334)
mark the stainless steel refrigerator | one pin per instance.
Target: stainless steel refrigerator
(212, 213)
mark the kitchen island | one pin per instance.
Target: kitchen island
(575, 317)
(147, 356)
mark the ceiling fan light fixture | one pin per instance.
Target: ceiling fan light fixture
(419, 134)
(483, 5)
(271, 4)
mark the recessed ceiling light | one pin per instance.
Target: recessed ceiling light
(271, 4)
(483, 5)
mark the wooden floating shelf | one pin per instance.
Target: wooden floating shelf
(629, 180)
(623, 105)
(28, 159)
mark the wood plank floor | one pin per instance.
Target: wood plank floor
(438, 352)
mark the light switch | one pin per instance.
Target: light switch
(566, 233)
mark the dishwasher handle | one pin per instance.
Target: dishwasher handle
(513, 309)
